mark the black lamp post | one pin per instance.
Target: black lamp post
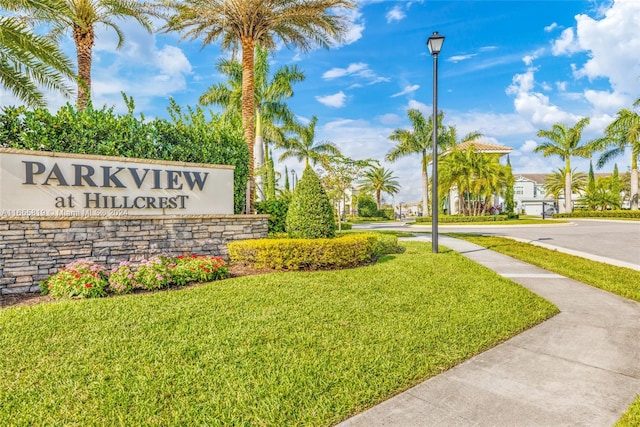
(435, 45)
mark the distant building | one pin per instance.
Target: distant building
(529, 194)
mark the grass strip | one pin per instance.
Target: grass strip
(279, 349)
(618, 280)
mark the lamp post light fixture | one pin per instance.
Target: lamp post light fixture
(435, 45)
(293, 179)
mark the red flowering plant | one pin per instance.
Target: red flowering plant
(197, 268)
(82, 278)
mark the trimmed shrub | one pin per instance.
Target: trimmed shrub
(277, 210)
(310, 214)
(350, 250)
(599, 214)
(463, 218)
(367, 207)
(386, 244)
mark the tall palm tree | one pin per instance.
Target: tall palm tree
(270, 95)
(244, 23)
(623, 132)
(379, 180)
(28, 60)
(418, 140)
(82, 16)
(564, 142)
(303, 147)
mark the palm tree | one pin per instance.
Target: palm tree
(417, 140)
(82, 16)
(246, 23)
(565, 143)
(554, 183)
(304, 148)
(379, 180)
(450, 137)
(477, 176)
(269, 102)
(624, 132)
(28, 60)
(602, 196)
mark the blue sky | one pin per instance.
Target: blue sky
(507, 69)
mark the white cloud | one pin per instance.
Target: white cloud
(528, 146)
(562, 86)
(355, 68)
(612, 43)
(605, 100)
(389, 119)
(528, 59)
(490, 124)
(358, 70)
(395, 14)
(172, 61)
(458, 58)
(534, 106)
(566, 44)
(406, 90)
(417, 105)
(336, 100)
(551, 27)
(356, 26)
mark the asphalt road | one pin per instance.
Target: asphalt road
(616, 242)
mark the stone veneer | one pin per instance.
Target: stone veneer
(35, 247)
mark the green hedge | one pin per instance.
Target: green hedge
(599, 214)
(192, 135)
(312, 254)
(462, 218)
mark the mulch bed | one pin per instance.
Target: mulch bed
(235, 270)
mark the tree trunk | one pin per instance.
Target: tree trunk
(258, 163)
(425, 186)
(634, 181)
(84, 39)
(248, 113)
(567, 189)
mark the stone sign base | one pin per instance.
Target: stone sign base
(35, 247)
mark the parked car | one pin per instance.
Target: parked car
(548, 212)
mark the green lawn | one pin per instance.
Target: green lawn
(618, 280)
(273, 350)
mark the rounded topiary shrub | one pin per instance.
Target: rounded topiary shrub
(367, 207)
(310, 214)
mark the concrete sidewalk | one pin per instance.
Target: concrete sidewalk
(579, 368)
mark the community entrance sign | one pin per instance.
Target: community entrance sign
(36, 183)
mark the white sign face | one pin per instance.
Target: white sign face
(34, 183)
